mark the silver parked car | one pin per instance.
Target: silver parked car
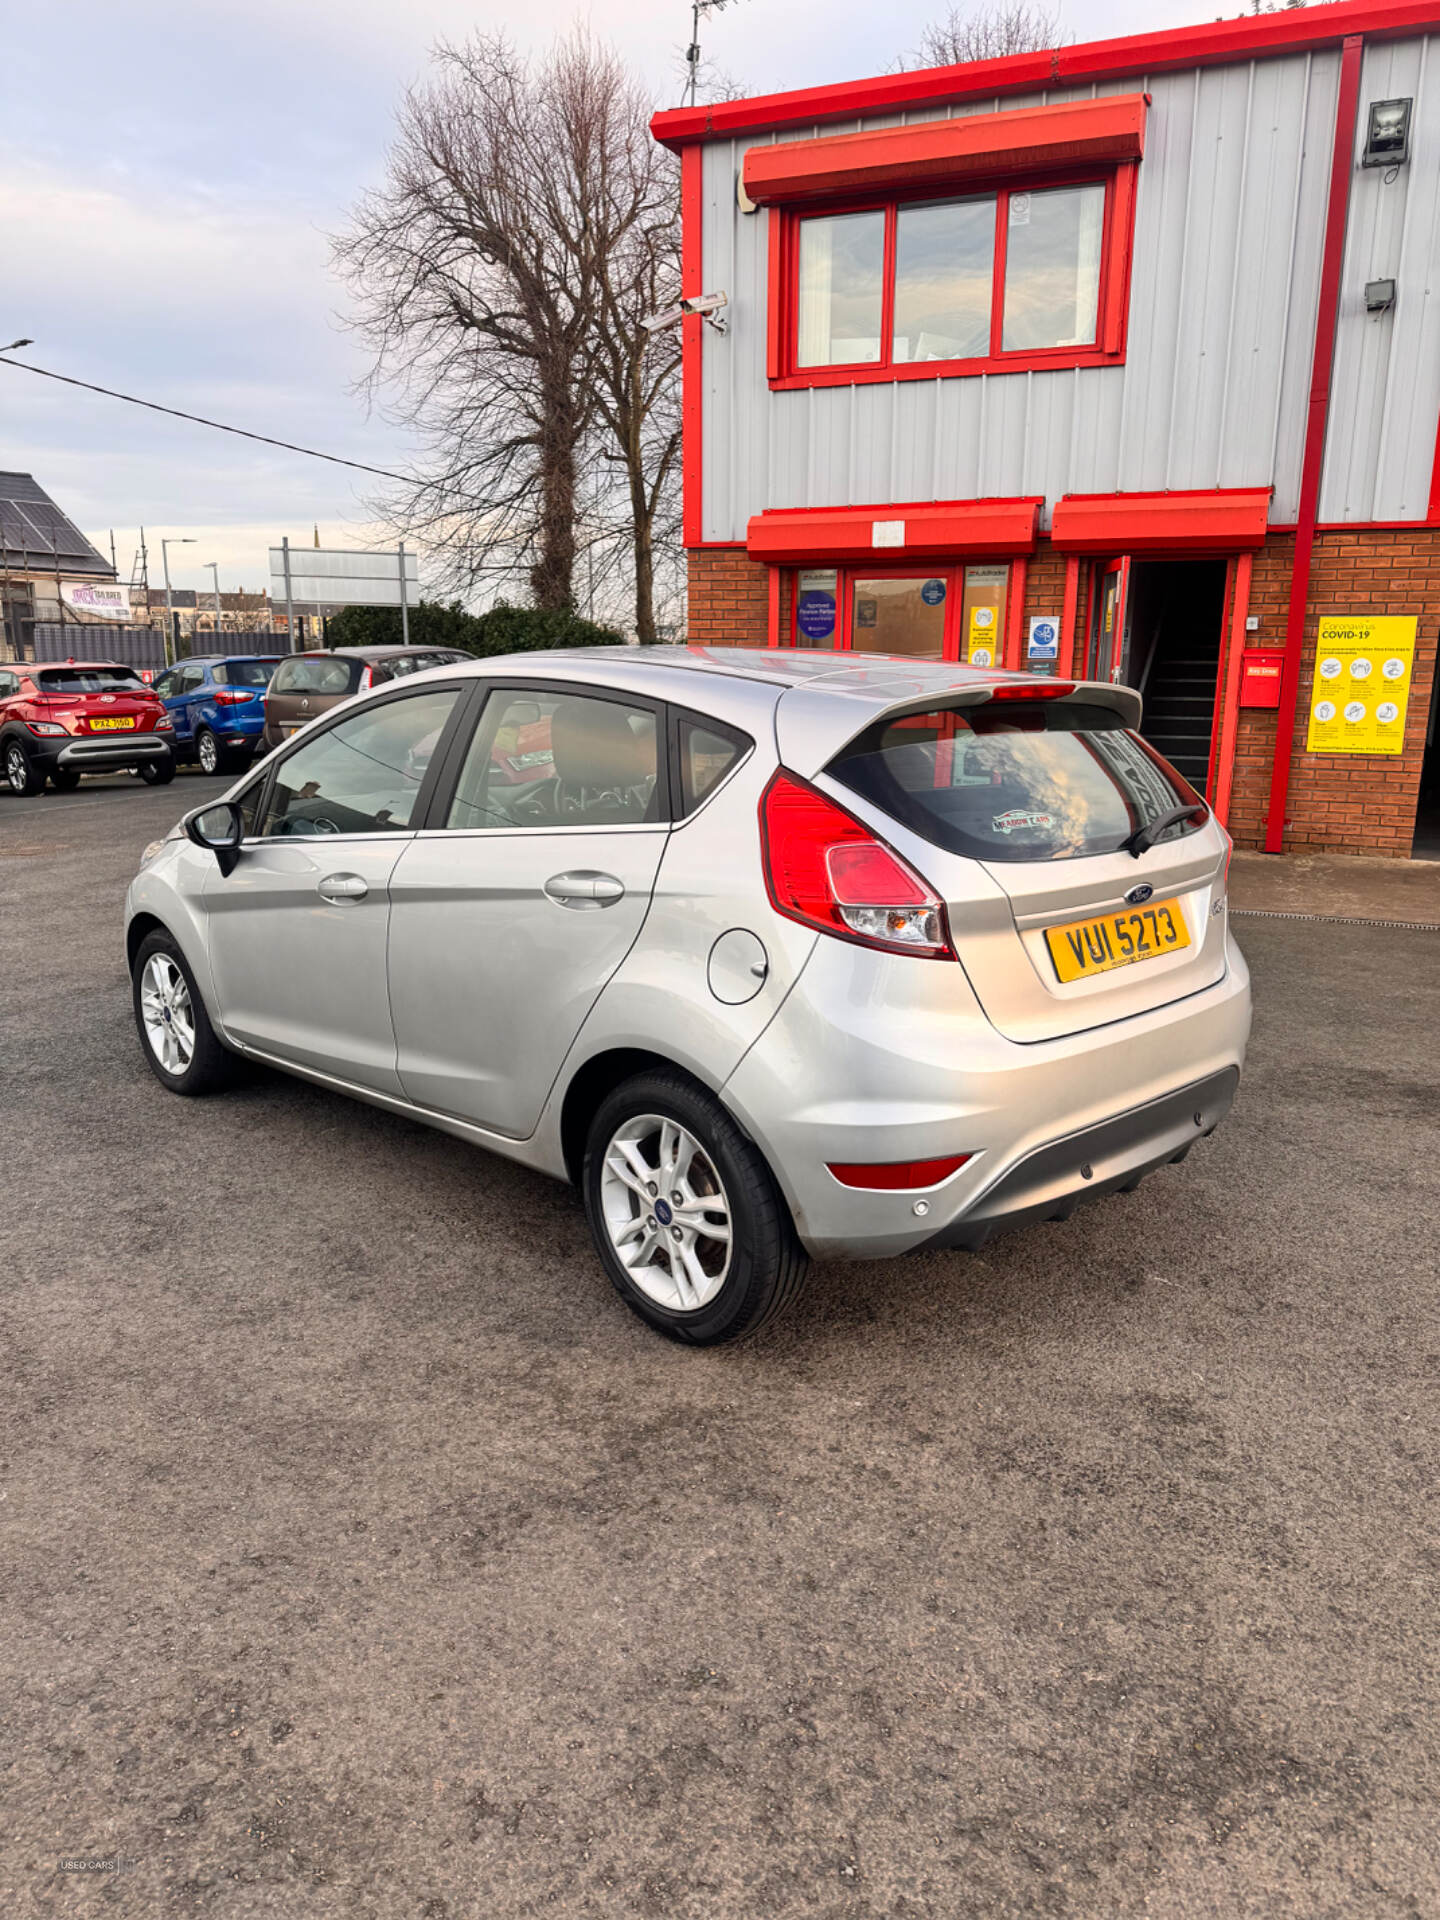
(771, 953)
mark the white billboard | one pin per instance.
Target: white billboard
(337, 577)
(101, 602)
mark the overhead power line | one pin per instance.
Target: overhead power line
(220, 426)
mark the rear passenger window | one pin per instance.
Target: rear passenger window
(558, 760)
(362, 776)
(705, 758)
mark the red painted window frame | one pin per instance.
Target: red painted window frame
(1112, 307)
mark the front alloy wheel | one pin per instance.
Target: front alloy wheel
(686, 1214)
(179, 1042)
(167, 1013)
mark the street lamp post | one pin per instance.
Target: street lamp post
(178, 540)
(214, 569)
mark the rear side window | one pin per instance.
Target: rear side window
(558, 760)
(1017, 780)
(706, 756)
(245, 673)
(316, 674)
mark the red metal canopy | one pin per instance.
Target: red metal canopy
(1218, 520)
(1023, 140)
(924, 530)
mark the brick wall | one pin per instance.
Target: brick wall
(1343, 803)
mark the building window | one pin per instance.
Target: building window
(1018, 278)
(934, 613)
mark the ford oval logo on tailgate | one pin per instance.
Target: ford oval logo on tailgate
(1137, 896)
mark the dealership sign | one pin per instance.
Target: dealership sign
(101, 602)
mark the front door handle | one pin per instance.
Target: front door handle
(342, 886)
(584, 891)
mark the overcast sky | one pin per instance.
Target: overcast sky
(170, 174)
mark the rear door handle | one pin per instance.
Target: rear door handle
(342, 886)
(584, 891)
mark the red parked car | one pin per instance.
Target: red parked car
(59, 719)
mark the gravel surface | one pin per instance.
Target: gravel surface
(361, 1555)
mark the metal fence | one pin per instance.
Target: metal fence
(144, 647)
(140, 647)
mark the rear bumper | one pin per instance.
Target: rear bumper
(1113, 1157)
(95, 755)
(876, 1059)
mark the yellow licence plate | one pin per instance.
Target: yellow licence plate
(1116, 940)
(116, 723)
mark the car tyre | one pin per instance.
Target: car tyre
(22, 776)
(64, 779)
(207, 751)
(667, 1172)
(176, 1036)
(157, 773)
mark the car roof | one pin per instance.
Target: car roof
(363, 653)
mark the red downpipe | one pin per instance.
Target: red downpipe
(1341, 167)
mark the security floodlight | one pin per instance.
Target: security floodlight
(1387, 134)
(707, 305)
(16, 343)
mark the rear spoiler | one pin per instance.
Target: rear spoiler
(812, 724)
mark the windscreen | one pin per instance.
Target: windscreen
(90, 680)
(246, 673)
(1016, 780)
(317, 673)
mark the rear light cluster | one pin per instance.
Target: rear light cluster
(233, 696)
(826, 870)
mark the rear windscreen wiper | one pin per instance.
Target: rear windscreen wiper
(1143, 838)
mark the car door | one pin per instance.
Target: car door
(524, 893)
(183, 706)
(297, 931)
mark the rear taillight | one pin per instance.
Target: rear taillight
(899, 1176)
(823, 868)
(233, 696)
(367, 679)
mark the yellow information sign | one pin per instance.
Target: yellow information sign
(1363, 667)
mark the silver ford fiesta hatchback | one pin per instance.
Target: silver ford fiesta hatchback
(772, 953)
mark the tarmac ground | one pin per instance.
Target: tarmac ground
(361, 1555)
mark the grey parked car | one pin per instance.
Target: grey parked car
(772, 953)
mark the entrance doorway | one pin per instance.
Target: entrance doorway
(1427, 817)
(1156, 626)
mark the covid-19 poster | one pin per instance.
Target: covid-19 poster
(1363, 666)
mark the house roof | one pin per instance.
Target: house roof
(36, 537)
(1217, 42)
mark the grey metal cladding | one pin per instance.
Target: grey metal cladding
(1385, 387)
(1230, 219)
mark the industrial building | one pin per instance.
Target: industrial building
(1118, 360)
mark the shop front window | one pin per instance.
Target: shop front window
(936, 613)
(899, 615)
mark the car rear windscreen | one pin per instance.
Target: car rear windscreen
(1016, 780)
(89, 680)
(245, 673)
(317, 673)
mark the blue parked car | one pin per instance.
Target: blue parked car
(218, 706)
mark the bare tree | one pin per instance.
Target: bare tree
(526, 225)
(989, 33)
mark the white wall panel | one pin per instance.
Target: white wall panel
(1229, 222)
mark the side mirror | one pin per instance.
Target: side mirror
(220, 828)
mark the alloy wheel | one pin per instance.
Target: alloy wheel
(666, 1212)
(209, 754)
(17, 772)
(167, 1013)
